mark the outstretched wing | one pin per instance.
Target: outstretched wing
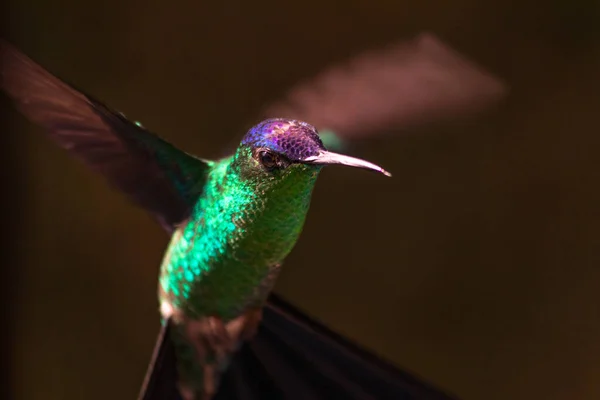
(292, 357)
(406, 84)
(153, 173)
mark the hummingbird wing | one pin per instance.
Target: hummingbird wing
(152, 172)
(406, 84)
(293, 357)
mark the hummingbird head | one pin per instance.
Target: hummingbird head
(279, 143)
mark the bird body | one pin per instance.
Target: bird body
(223, 260)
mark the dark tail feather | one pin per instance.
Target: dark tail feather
(160, 382)
(295, 358)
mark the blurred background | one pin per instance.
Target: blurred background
(475, 267)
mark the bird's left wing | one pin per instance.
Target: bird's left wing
(150, 171)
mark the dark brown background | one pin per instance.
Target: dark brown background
(475, 267)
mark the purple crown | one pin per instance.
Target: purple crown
(296, 140)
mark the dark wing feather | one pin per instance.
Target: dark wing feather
(409, 83)
(293, 357)
(153, 173)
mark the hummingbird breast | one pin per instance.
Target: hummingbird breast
(241, 229)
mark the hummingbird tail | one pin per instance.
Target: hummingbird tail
(293, 358)
(160, 382)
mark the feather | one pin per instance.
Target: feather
(153, 173)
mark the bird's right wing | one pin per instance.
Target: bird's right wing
(409, 83)
(153, 173)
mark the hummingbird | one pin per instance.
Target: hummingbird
(232, 222)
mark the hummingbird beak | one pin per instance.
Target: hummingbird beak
(328, 158)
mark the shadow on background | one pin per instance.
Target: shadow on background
(476, 266)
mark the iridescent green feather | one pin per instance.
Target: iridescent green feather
(245, 222)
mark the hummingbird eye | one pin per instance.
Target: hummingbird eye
(270, 160)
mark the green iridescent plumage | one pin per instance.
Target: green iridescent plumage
(245, 223)
(223, 260)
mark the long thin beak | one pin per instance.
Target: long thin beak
(327, 158)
